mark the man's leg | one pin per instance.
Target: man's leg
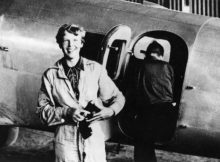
(144, 151)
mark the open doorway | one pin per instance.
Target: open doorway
(175, 52)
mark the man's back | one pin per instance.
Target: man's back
(156, 82)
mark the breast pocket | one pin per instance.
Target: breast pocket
(89, 88)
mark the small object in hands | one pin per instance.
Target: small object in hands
(92, 109)
(84, 127)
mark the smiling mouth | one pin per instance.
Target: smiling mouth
(70, 49)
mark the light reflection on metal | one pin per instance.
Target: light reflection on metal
(114, 48)
(29, 42)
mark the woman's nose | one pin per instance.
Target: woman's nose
(71, 43)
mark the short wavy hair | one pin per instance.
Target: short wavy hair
(70, 28)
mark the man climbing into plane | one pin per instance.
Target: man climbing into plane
(154, 103)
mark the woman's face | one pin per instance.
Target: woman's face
(71, 45)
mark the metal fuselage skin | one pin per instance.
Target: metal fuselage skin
(28, 47)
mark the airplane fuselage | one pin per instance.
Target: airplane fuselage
(192, 46)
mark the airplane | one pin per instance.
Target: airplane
(117, 34)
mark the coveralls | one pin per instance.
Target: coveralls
(56, 96)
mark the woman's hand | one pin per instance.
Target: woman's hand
(104, 113)
(77, 115)
(80, 114)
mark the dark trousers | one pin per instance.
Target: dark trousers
(144, 151)
(154, 123)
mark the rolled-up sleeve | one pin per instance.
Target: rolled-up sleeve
(109, 93)
(48, 112)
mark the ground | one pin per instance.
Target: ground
(37, 146)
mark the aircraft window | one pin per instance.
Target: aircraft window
(112, 54)
(115, 51)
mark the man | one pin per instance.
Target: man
(67, 89)
(154, 103)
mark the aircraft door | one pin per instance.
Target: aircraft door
(112, 56)
(175, 52)
(127, 119)
(113, 49)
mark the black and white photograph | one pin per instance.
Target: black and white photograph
(109, 81)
